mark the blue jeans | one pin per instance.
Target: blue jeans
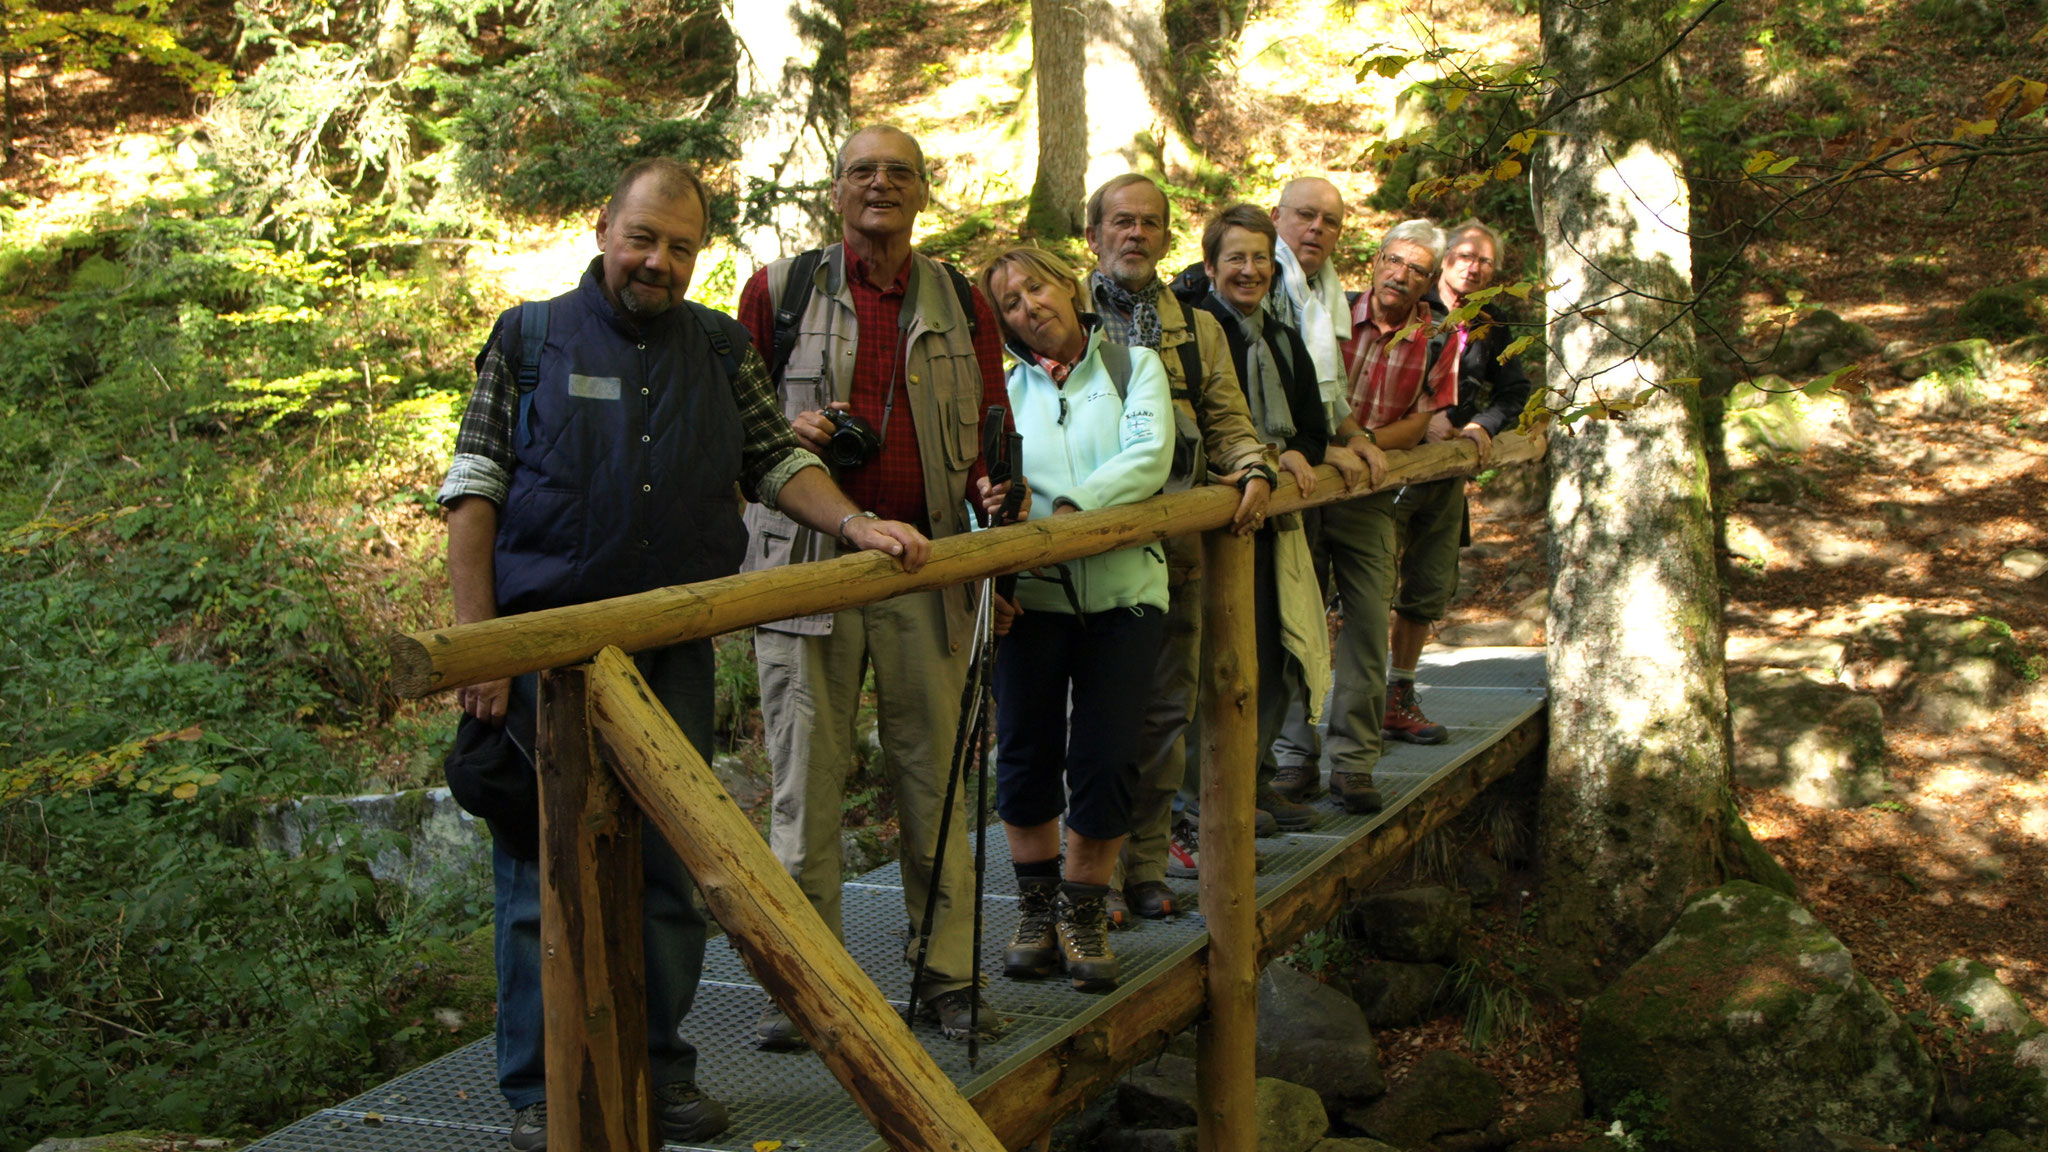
(672, 926)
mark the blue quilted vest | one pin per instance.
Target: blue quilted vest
(629, 447)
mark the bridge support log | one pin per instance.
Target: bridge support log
(1226, 1045)
(803, 966)
(593, 967)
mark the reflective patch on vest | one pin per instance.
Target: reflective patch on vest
(594, 387)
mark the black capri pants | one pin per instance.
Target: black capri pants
(1084, 764)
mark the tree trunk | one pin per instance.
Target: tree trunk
(1638, 783)
(1059, 55)
(793, 80)
(1133, 117)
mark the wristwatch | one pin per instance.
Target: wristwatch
(1369, 437)
(1260, 472)
(851, 516)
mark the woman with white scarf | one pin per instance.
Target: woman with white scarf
(1279, 380)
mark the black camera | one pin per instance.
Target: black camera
(853, 442)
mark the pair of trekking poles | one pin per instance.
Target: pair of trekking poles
(1002, 451)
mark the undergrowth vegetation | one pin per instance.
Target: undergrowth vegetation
(217, 459)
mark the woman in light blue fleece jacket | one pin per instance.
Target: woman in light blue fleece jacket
(1090, 628)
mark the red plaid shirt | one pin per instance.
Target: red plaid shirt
(1386, 377)
(891, 484)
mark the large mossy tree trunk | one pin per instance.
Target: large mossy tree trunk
(797, 97)
(1633, 811)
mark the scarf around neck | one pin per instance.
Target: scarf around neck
(1141, 329)
(1264, 388)
(1317, 309)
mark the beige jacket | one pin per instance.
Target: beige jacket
(1214, 406)
(944, 391)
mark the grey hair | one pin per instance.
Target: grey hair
(1459, 232)
(1420, 233)
(839, 157)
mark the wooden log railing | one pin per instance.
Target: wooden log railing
(604, 716)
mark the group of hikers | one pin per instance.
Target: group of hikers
(599, 453)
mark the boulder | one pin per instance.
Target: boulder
(1765, 486)
(1545, 1115)
(1158, 1094)
(1419, 925)
(1954, 671)
(1290, 1117)
(1972, 991)
(2005, 1083)
(2006, 311)
(1961, 360)
(1819, 742)
(1819, 343)
(1315, 1036)
(2025, 563)
(1444, 1092)
(1996, 1140)
(1751, 1020)
(1482, 876)
(1766, 416)
(1821, 655)
(1395, 995)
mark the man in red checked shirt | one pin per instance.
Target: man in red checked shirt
(869, 329)
(1394, 390)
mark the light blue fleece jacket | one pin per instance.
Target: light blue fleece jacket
(1083, 446)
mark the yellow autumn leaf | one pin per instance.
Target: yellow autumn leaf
(185, 791)
(1507, 170)
(1779, 168)
(1516, 348)
(1976, 127)
(1758, 161)
(2033, 93)
(1454, 99)
(1519, 291)
(1521, 142)
(767, 1145)
(1996, 100)
(2040, 37)
(1682, 382)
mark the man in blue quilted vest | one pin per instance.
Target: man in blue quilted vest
(597, 458)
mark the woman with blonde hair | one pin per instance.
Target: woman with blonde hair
(1096, 420)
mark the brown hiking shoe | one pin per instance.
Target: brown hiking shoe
(1298, 782)
(1083, 927)
(1355, 791)
(1405, 720)
(1034, 950)
(1287, 815)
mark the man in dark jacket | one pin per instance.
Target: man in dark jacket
(597, 458)
(1431, 518)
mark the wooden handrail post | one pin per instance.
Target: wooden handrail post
(803, 966)
(1226, 1045)
(593, 978)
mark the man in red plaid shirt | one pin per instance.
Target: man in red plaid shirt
(1394, 389)
(875, 331)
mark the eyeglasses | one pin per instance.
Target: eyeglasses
(1408, 270)
(1333, 221)
(869, 171)
(1472, 258)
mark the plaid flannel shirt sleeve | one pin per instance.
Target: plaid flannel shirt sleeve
(770, 453)
(484, 457)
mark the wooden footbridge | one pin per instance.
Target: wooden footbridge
(611, 758)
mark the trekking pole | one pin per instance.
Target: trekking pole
(970, 701)
(980, 760)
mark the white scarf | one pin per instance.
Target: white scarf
(1315, 308)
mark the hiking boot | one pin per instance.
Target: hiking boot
(686, 1113)
(1035, 948)
(1083, 929)
(776, 1032)
(1289, 816)
(1151, 899)
(1298, 782)
(1405, 720)
(1118, 910)
(1183, 854)
(1355, 791)
(1263, 823)
(530, 1128)
(954, 1013)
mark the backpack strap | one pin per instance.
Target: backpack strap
(790, 309)
(714, 325)
(1117, 359)
(533, 336)
(1191, 366)
(965, 291)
